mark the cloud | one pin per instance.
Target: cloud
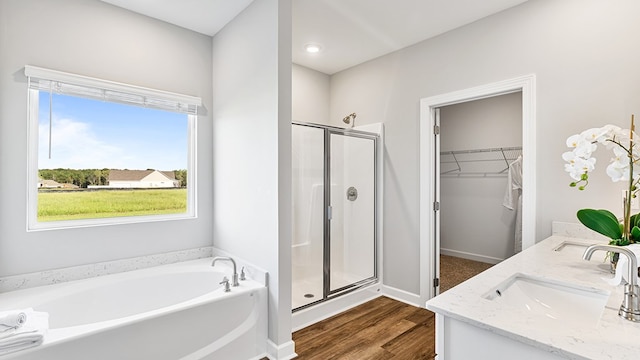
(74, 145)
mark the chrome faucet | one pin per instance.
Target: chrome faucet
(630, 308)
(235, 273)
(225, 281)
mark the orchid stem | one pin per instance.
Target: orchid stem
(627, 199)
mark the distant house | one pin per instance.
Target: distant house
(142, 179)
(48, 184)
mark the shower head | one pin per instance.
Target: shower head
(350, 119)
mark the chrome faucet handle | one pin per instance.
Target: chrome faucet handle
(630, 308)
(235, 273)
(242, 276)
(225, 281)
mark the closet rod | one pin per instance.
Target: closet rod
(502, 155)
(481, 150)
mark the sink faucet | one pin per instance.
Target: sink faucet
(235, 273)
(630, 308)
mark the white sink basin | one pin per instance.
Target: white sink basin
(551, 301)
(571, 246)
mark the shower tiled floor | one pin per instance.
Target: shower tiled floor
(302, 289)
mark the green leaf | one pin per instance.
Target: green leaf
(635, 234)
(619, 242)
(601, 221)
(635, 220)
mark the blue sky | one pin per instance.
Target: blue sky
(93, 134)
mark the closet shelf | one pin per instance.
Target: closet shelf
(479, 162)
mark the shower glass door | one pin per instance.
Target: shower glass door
(352, 223)
(334, 212)
(308, 216)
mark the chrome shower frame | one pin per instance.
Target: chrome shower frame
(329, 294)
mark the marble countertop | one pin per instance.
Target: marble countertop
(611, 338)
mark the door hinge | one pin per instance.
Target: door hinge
(329, 213)
(436, 130)
(436, 282)
(436, 206)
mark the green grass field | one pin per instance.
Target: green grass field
(75, 205)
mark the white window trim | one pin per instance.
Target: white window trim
(149, 97)
(188, 104)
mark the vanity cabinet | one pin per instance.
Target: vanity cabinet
(456, 340)
(482, 319)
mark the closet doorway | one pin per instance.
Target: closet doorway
(430, 168)
(479, 141)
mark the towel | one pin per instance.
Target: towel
(12, 320)
(28, 334)
(513, 199)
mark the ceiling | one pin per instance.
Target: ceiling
(349, 32)
(203, 16)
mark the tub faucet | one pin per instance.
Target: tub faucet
(235, 272)
(225, 281)
(630, 308)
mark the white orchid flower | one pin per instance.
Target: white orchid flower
(619, 168)
(624, 166)
(573, 140)
(581, 145)
(617, 172)
(580, 160)
(577, 165)
(596, 134)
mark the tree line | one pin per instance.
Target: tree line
(85, 177)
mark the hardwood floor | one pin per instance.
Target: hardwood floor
(382, 328)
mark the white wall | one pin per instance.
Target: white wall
(310, 95)
(585, 61)
(99, 40)
(473, 222)
(252, 149)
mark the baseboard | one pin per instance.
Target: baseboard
(470, 256)
(312, 315)
(402, 296)
(284, 351)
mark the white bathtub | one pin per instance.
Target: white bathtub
(171, 312)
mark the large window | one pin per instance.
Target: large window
(102, 152)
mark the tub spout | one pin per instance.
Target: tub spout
(630, 308)
(235, 272)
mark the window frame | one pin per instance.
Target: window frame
(151, 98)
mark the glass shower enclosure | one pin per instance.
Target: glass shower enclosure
(334, 212)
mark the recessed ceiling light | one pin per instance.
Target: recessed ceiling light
(312, 48)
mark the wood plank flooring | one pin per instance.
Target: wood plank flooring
(382, 328)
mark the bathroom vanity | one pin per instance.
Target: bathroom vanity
(543, 303)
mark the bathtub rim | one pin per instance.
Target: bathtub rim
(20, 299)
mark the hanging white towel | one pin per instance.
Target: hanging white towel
(30, 333)
(513, 199)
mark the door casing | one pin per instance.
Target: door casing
(429, 193)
